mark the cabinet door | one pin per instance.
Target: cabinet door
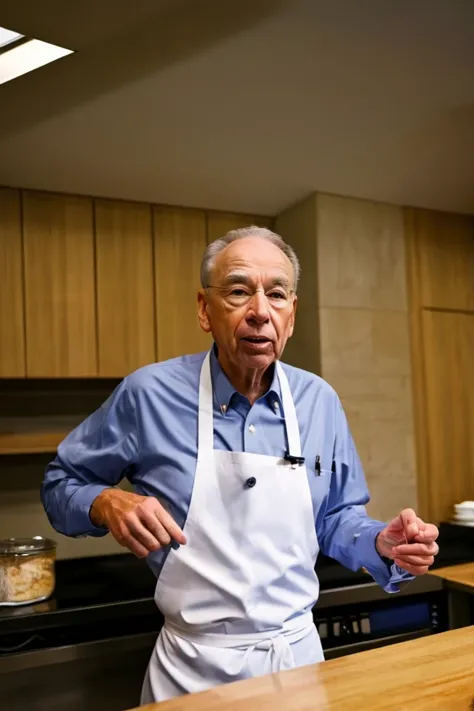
(448, 344)
(59, 286)
(219, 223)
(125, 296)
(12, 325)
(446, 259)
(180, 241)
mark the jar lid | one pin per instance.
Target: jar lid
(25, 546)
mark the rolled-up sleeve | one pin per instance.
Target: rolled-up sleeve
(345, 531)
(93, 457)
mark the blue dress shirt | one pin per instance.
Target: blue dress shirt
(146, 431)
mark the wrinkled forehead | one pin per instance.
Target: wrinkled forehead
(256, 258)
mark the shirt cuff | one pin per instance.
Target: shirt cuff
(81, 503)
(388, 575)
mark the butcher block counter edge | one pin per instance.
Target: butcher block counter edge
(462, 576)
(426, 674)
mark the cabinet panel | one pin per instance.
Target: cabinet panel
(59, 286)
(219, 223)
(446, 254)
(448, 341)
(125, 296)
(180, 241)
(12, 326)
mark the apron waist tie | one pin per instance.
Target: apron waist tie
(275, 642)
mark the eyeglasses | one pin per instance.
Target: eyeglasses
(278, 297)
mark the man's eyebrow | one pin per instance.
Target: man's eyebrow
(243, 278)
(280, 281)
(237, 278)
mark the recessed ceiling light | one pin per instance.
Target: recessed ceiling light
(7, 36)
(20, 55)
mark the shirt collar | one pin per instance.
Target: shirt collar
(224, 390)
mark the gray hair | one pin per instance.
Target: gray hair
(213, 249)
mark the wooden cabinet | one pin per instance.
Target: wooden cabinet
(440, 270)
(448, 344)
(446, 259)
(99, 288)
(219, 223)
(12, 325)
(125, 288)
(59, 286)
(180, 241)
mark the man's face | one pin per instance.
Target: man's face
(250, 305)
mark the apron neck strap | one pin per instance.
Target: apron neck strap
(206, 404)
(289, 410)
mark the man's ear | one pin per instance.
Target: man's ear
(203, 311)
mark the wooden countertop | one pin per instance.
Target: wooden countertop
(461, 575)
(434, 673)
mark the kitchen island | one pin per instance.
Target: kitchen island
(434, 673)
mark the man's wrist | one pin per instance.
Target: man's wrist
(96, 511)
(383, 548)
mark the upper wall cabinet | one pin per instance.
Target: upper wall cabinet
(12, 327)
(219, 223)
(125, 289)
(445, 244)
(180, 241)
(59, 286)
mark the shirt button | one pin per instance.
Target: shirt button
(252, 429)
(224, 408)
(276, 405)
(250, 483)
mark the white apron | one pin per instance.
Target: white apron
(237, 598)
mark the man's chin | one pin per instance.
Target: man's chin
(257, 360)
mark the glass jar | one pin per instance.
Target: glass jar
(26, 570)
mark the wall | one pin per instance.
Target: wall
(357, 267)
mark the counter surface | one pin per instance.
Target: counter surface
(462, 575)
(434, 673)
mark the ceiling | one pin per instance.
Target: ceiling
(246, 105)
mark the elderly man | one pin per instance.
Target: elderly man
(244, 470)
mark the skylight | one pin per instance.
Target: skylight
(20, 55)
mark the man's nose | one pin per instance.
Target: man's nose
(258, 307)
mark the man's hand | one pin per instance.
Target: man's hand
(410, 542)
(140, 523)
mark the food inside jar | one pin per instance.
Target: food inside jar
(25, 578)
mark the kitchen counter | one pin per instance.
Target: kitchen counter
(458, 580)
(430, 674)
(461, 576)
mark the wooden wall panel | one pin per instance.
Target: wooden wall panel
(448, 342)
(440, 272)
(12, 326)
(219, 223)
(59, 285)
(446, 253)
(125, 288)
(180, 240)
